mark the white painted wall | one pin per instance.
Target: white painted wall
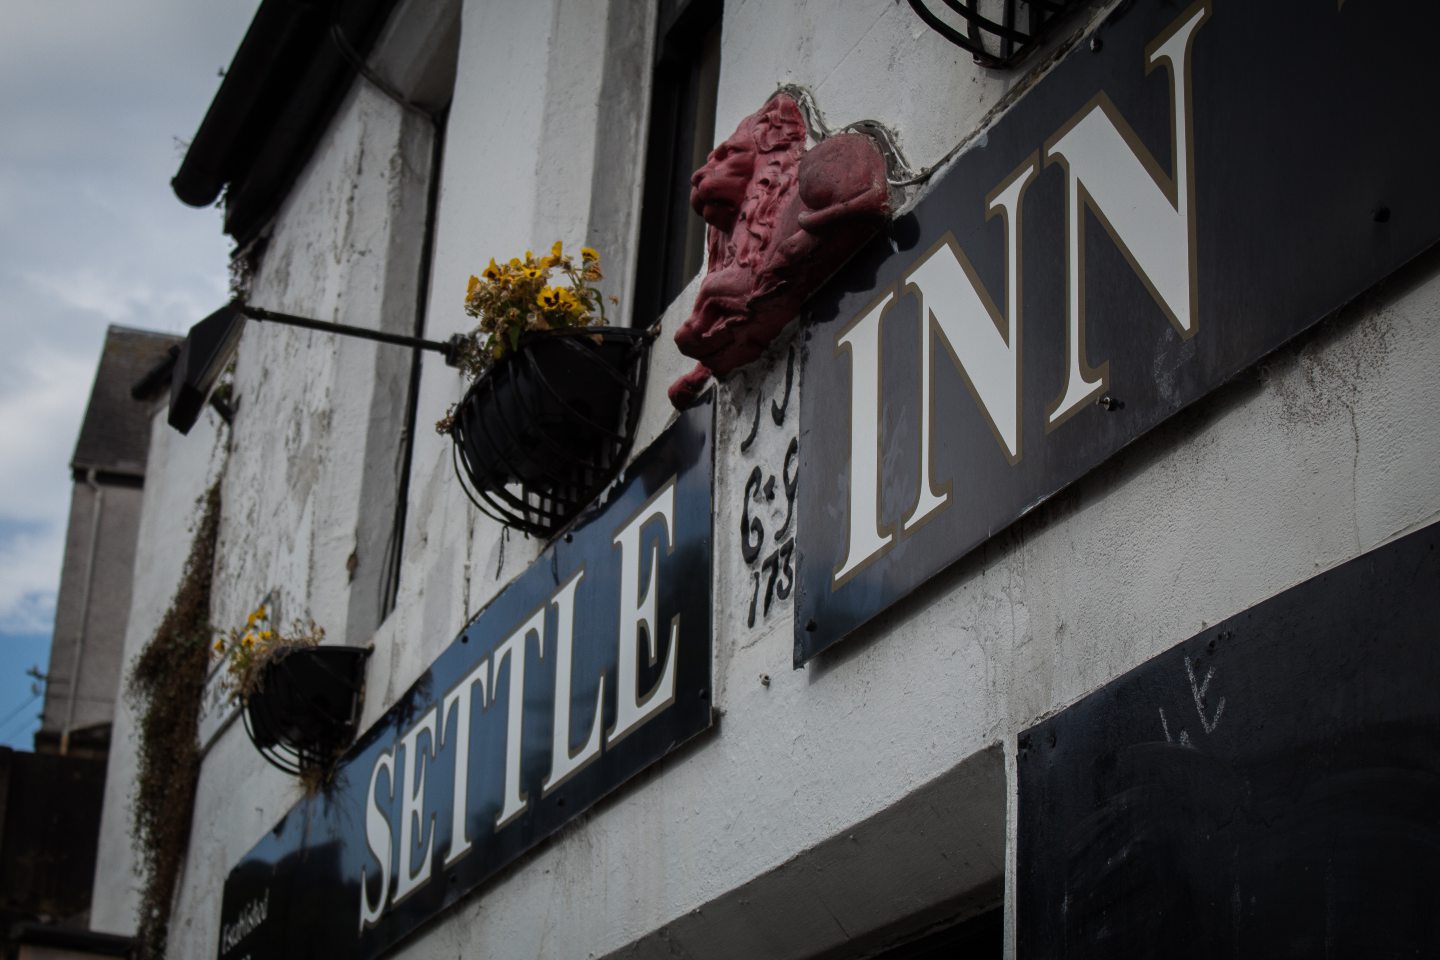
(184, 469)
(345, 247)
(1326, 452)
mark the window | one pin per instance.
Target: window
(686, 77)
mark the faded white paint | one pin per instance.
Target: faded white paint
(184, 469)
(798, 825)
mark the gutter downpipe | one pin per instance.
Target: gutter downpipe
(95, 510)
(390, 592)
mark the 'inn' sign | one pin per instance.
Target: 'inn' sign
(1178, 197)
(591, 666)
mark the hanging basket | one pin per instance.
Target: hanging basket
(306, 706)
(999, 33)
(541, 433)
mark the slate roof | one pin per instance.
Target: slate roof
(115, 434)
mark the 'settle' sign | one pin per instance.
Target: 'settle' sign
(1177, 198)
(591, 666)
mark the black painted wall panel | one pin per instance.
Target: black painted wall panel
(1269, 788)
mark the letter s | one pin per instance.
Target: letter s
(377, 837)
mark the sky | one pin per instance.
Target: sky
(97, 101)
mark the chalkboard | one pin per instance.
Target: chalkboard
(1269, 788)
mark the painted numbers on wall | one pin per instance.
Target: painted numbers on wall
(769, 495)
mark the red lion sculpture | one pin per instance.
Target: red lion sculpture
(782, 220)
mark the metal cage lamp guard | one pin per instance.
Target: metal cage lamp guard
(996, 43)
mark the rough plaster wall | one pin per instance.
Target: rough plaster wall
(861, 61)
(619, 169)
(569, 130)
(293, 505)
(180, 470)
(455, 559)
(383, 454)
(310, 449)
(1327, 452)
(238, 799)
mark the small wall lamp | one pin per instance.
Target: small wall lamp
(211, 343)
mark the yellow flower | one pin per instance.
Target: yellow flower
(589, 255)
(574, 306)
(257, 614)
(267, 635)
(492, 272)
(515, 263)
(532, 273)
(219, 646)
(550, 298)
(472, 286)
(555, 250)
(247, 641)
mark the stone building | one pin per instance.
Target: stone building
(880, 649)
(93, 603)
(51, 800)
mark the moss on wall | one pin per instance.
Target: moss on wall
(166, 685)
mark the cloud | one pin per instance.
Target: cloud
(94, 94)
(29, 571)
(128, 300)
(41, 410)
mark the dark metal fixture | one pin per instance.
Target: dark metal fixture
(447, 348)
(546, 429)
(211, 343)
(996, 43)
(202, 357)
(307, 706)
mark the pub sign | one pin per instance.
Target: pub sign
(588, 668)
(1186, 190)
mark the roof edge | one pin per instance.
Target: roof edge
(285, 84)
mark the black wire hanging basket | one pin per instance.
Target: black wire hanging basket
(306, 706)
(543, 431)
(998, 33)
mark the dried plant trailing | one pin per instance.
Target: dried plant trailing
(166, 686)
(248, 650)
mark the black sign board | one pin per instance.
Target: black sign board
(591, 666)
(1268, 788)
(1173, 201)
